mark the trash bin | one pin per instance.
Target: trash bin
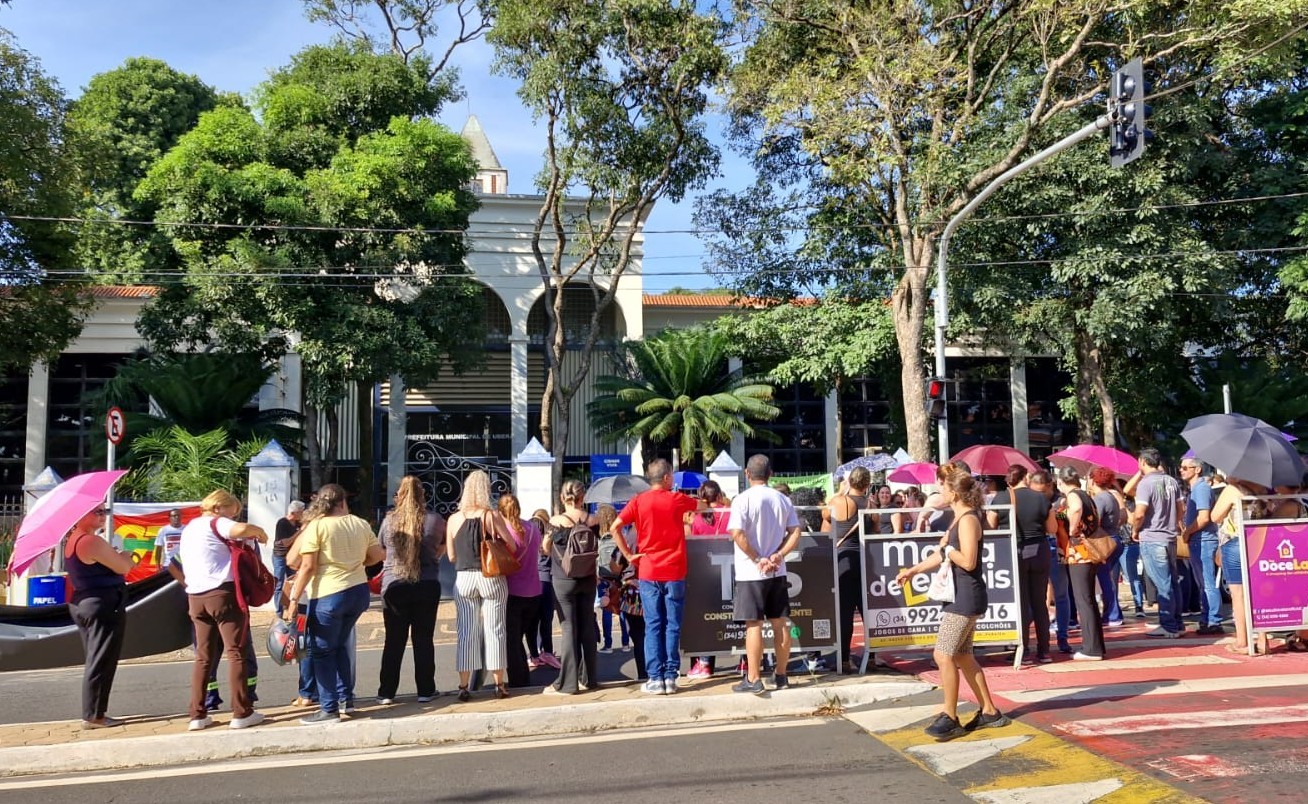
(46, 590)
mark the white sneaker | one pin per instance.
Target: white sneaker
(653, 687)
(252, 719)
(1085, 657)
(1162, 633)
(669, 686)
(389, 701)
(200, 723)
(427, 698)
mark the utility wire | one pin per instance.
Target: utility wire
(277, 227)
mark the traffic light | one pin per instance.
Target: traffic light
(1127, 114)
(935, 397)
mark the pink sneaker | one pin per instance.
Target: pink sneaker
(550, 660)
(699, 670)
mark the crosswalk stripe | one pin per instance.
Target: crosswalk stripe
(879, 721)
(1146, 688)
(1052, 794)
(1137, 724)
(945, 758)
(1135, 664)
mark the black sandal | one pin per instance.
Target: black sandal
(464, 695)
(501, 692)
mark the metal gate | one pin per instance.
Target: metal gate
(443, 472)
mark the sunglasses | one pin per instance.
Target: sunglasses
(102, 511)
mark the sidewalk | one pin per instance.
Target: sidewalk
(27, 748)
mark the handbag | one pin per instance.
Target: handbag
(254, 583)
(942, 584)
(1183, 547)
(1099, 547)
(498, 559)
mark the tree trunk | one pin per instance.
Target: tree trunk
(1090, 383)
(333, 438)
(363, 395)
(313, 446)
(909, 304)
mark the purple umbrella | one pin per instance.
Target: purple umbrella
(1244, 447)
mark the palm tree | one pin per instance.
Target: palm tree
(676, 385)
(173, 465)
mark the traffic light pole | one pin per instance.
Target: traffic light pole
(942, 299)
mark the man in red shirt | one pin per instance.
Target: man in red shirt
(660, 560)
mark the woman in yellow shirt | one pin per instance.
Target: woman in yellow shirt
(334, 548)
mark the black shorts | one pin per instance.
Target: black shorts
(768, 599)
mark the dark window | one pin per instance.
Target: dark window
(802, 430)
(865, 414)
(13, 434)
(74, 441)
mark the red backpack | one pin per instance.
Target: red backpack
(254, 583)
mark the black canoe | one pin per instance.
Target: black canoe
(40, 637)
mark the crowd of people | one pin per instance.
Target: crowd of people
(1078, 539)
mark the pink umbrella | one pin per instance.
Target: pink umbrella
(993, 459)
(55, 514)
(920, 474)
(1084, 457)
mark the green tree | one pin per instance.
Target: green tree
(200, 392)
(350, 207)
(125, 120)
(676, 386)
(174, 465)
(621, 91)
(41, 300)
(872, 125)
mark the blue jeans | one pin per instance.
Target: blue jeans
(1062, 600)
(280, 571)
(331, 621)
(1129, 561)
(663, 602)
(1160, 563)
(1203, 564)
(1107, 575)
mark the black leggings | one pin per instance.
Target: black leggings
(1084, 578)
(849, 581)
(636, 628)
(518, 612)
(409, 608)
(575, 604)
(101, 618)
(1034, 582)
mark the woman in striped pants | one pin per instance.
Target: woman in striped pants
(479, 601)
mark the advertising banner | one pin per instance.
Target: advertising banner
(707, 626)
(897, 617)
(136, 525)
(1276, 560)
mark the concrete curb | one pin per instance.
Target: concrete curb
(441, 728)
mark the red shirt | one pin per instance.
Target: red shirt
(660, 533)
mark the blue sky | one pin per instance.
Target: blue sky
(232, 45)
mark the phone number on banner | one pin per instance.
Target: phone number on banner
(917, 625)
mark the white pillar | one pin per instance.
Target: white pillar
(534, 478)
(831, 422)
(737, 446)
(1017, 382)
(518, 414)
(726, 473)
(397, 420)
(270, 491)
(38, 419)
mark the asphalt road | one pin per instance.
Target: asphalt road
(802, 760)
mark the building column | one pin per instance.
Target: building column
(1017, 382)
(518, 412)
(831, 428)
(737, 447)
(397, 419)
(38, 420)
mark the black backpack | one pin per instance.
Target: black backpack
(579, 556)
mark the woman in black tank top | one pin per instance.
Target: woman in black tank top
(846, 510)
(960, 549)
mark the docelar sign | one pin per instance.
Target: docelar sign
(115, 426)
(1276, 558)
(707, 625)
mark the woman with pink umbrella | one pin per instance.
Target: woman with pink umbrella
(99, 607)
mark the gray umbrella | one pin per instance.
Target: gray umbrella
(615, 489)
(1244, 447)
